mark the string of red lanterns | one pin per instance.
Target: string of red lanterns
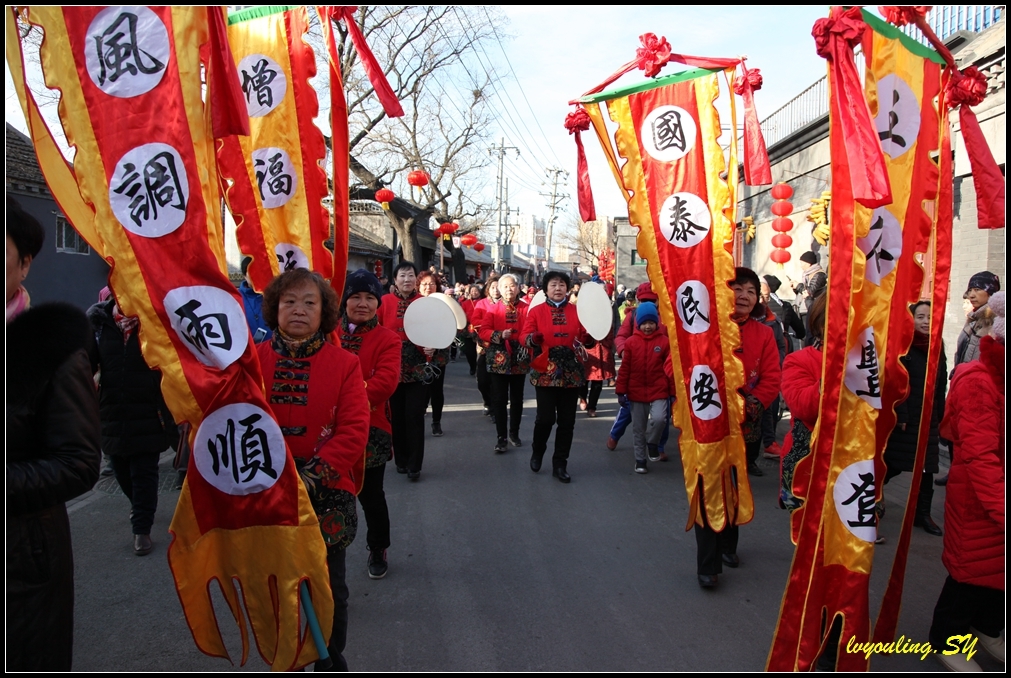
(782, 224)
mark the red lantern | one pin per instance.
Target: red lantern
(477, 270)
(417, 178)
(780, 256)
(437, 231)
(782, 241)
(479, 247)
(782, 208)
(385, 196)
(782, 225)
(450, 227)
(378, 268)
(781, 191)
(468, 240)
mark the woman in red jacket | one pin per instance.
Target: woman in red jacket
(972, 600)
(317, 394)
(508, 362)
(552, 331)
(378, 351)
(428, 283)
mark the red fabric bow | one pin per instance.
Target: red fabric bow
(757, 170)
(835, 38)
(967, 87)
(901, 15)
(653, 55)
(752, 80)
(576, 122)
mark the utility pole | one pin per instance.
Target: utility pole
(500, 150)
(554, 201)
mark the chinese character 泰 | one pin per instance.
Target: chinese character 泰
(668, 131)
(690, 306)
(682, 227)
(869, 363)
(119, 53)
(863, 495)
(893, 122)
(258, 83)
(205, 331)
(159, 187)
(278, 182)
(705, 392)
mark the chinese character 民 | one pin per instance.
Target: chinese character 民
(119, 53)
(278, 181)
(159, 187)
(682, 227)
(668, 132)
(877, 253)
(690, 306)
(869, 363)
(254, 451)
(206, 331)
(893, 122)
(863, 495)
(258, 83)
(705, 392)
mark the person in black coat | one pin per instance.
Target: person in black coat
(900, 453)
(53, 455)
(136, 424)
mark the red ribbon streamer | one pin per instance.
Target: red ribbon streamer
(372, 68)
(757, 170)
(576, 122)
(835, 38)
(340, 154)
(228, 107)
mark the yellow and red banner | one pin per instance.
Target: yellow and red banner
(273, 179)
(667, 134)
(876, 270)
(143, 190)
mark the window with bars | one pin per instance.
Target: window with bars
(636, 259)
(69, 241)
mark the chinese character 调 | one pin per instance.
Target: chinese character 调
(159, 187)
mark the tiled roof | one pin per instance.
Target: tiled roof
(21, 165)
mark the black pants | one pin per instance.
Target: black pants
(437, 395)
(377, 514)
(407, 406)
(470, 351)
(961, 606)
(752, 450)
(137, 476)
(555, 404)
(507, 388)
(336, 563)
(926, 495)
(712, 544)
(770, 419)
(483, 381)
(591, 393)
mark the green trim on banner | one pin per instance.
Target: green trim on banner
(893, 33)
(617, 93)
(257, 12)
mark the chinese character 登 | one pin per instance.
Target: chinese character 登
(159, 187)
(705, 393)
(668, 132)
(893, 122)
(204, 331)
(118, 52)
(690, 306)
(259, 83)
(869, 363)
(288, 261)
(278, 181)
(863, 495)
(682, 227)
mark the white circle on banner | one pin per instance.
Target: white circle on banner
(263, 84)
(668, 133)
(863, 375)
(149, 190)
(126, 51)
(853, 495)
(210, 322)
(898, 119)
(239, 449)
(276, 178)
(692, 303)
(704, 393)
(882, 245)
(685, 219)
(290, 257)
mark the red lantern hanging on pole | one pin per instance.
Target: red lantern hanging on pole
(418, 179)
(385, 196)
(782, 224)
(450, 227)
(479, 247)
(468, 240)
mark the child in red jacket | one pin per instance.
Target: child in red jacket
(644, 384)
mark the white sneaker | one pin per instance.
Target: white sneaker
(993, 646)
(958, 663)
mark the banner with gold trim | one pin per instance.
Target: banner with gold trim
(143, 190)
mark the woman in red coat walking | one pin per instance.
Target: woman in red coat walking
(378, 351)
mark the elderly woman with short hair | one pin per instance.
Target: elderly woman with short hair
(318, 396)
(508, 361)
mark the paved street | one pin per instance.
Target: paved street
(495, 568)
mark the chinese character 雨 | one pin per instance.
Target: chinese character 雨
(205, 331)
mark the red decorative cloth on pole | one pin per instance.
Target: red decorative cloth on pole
(757, 171)
(576, 122)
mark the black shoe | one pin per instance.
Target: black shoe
(413, 475)
(942, 481)
(731, 560)
(142, 544)
(562, 475)
(653, 452)
(640, 466)
(535, 463)
(501, 446)
(487, 411)
(377, 564)
(928, 525)
(753, 470)
(436, 428)
(401, 469)
(107, 470)
(515, 441)
(473, 372)
(180, 477)
(708, 581)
